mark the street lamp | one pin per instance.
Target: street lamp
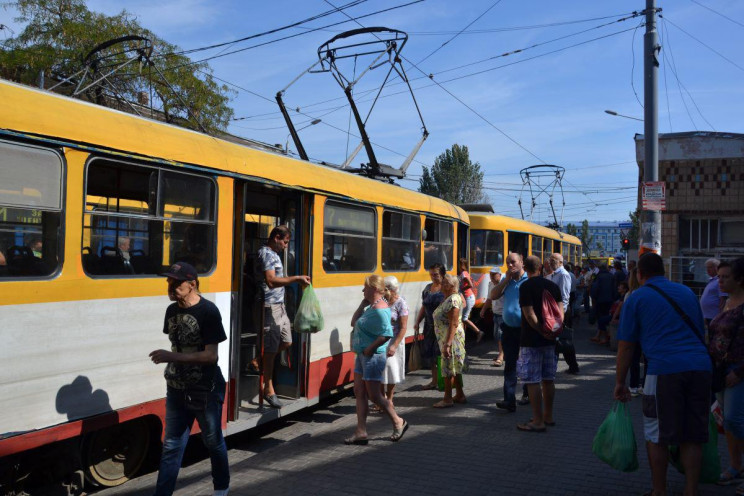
(612, 112)
(286, 142)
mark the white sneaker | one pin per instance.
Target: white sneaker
(634, 391)
(221, 492)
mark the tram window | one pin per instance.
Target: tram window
(438, 243)
(349, 238)
(547, 246)
(139, 220)
(518, 243)
(401, 241)
(537, 243)
(486, 248)
(30, 211)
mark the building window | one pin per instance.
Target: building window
(30, 211)
(698, 234)
(140, 219)
(732, 232)
(401, 241)
(349, 238)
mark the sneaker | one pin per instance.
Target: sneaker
(503, 405)
(633, 391)
(524, 400)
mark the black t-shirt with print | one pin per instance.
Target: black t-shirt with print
(190, 330)
(531, 295)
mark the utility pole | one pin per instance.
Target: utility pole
(650, 234)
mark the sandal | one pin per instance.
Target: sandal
(497, 363)
(730, 476)
(359, 441)
(374, 408)
(528, 427)
(428, 387)
(442, 404)
(398, 433)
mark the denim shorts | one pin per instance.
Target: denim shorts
(537, 364)
(370, 368)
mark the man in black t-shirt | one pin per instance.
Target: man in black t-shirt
(537, 363)
(196, 387)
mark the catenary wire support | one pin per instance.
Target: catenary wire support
(543, 181)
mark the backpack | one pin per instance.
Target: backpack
(552, 325)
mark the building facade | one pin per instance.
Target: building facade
(704, 216)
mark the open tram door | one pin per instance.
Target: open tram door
(259, 208)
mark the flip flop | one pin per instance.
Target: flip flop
(442, 404)
(497, 363)
(398, 433)
(527, 427)
(359, 441)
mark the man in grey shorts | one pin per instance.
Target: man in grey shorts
(677, 392)
(277, 331)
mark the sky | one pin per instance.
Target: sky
(543, 103)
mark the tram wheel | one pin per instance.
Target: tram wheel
(114, 455)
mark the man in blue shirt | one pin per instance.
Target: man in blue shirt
(512, 326)
(713, 299)
(677, 391)
(561, 277)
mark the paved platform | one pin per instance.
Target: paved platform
(469, 449)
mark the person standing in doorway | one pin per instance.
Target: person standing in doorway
(277, 332)
(196, 386)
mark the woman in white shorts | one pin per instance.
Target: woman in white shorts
(395, 368)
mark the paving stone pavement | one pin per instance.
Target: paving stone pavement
(469, 449)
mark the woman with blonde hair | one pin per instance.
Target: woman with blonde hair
(395, 368)
(369, 340)
(451, 338)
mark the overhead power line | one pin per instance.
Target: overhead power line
(716, 12)
(704, 44)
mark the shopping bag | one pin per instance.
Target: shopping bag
(615, 442)
(414, 356)
(309, 317)
(710, 468)
(440, 378)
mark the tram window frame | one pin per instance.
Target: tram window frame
(521, 247)
(487, 247)
(537, 240)
(156, 227)
(35, 220)
(341, 240)
(398, 245)
(433, 241)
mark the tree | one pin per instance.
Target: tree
(572, 229)
(585, 237)
(633, 233)
(58, 36)
(453, 177)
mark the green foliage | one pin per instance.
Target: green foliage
(572, 229)
(453, 177)
(633, 233)
(585, 237)
(59, 34)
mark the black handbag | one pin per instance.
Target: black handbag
(718, 379)
(195, 400)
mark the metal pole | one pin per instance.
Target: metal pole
(650, 219)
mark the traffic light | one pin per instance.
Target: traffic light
(626, 244)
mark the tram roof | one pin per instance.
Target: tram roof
(79, 124)
(491, 221)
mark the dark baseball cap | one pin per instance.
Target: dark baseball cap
(181, 271)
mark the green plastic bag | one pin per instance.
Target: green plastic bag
(309, 317)
(710, 469)
(615, 442)
(440, 378)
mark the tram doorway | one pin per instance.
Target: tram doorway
(260, 208)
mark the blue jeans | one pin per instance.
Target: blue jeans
(510, 345)
(178, 422)
(497, 321)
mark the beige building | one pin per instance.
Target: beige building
(704, 216)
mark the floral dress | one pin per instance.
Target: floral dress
(453, 365)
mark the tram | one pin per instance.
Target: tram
(492, 237)
(95, 203)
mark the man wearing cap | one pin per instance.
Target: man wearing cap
(277, 332)
(497, 308)
(195, 385)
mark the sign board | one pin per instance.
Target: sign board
(625, 225)
(654, 196)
